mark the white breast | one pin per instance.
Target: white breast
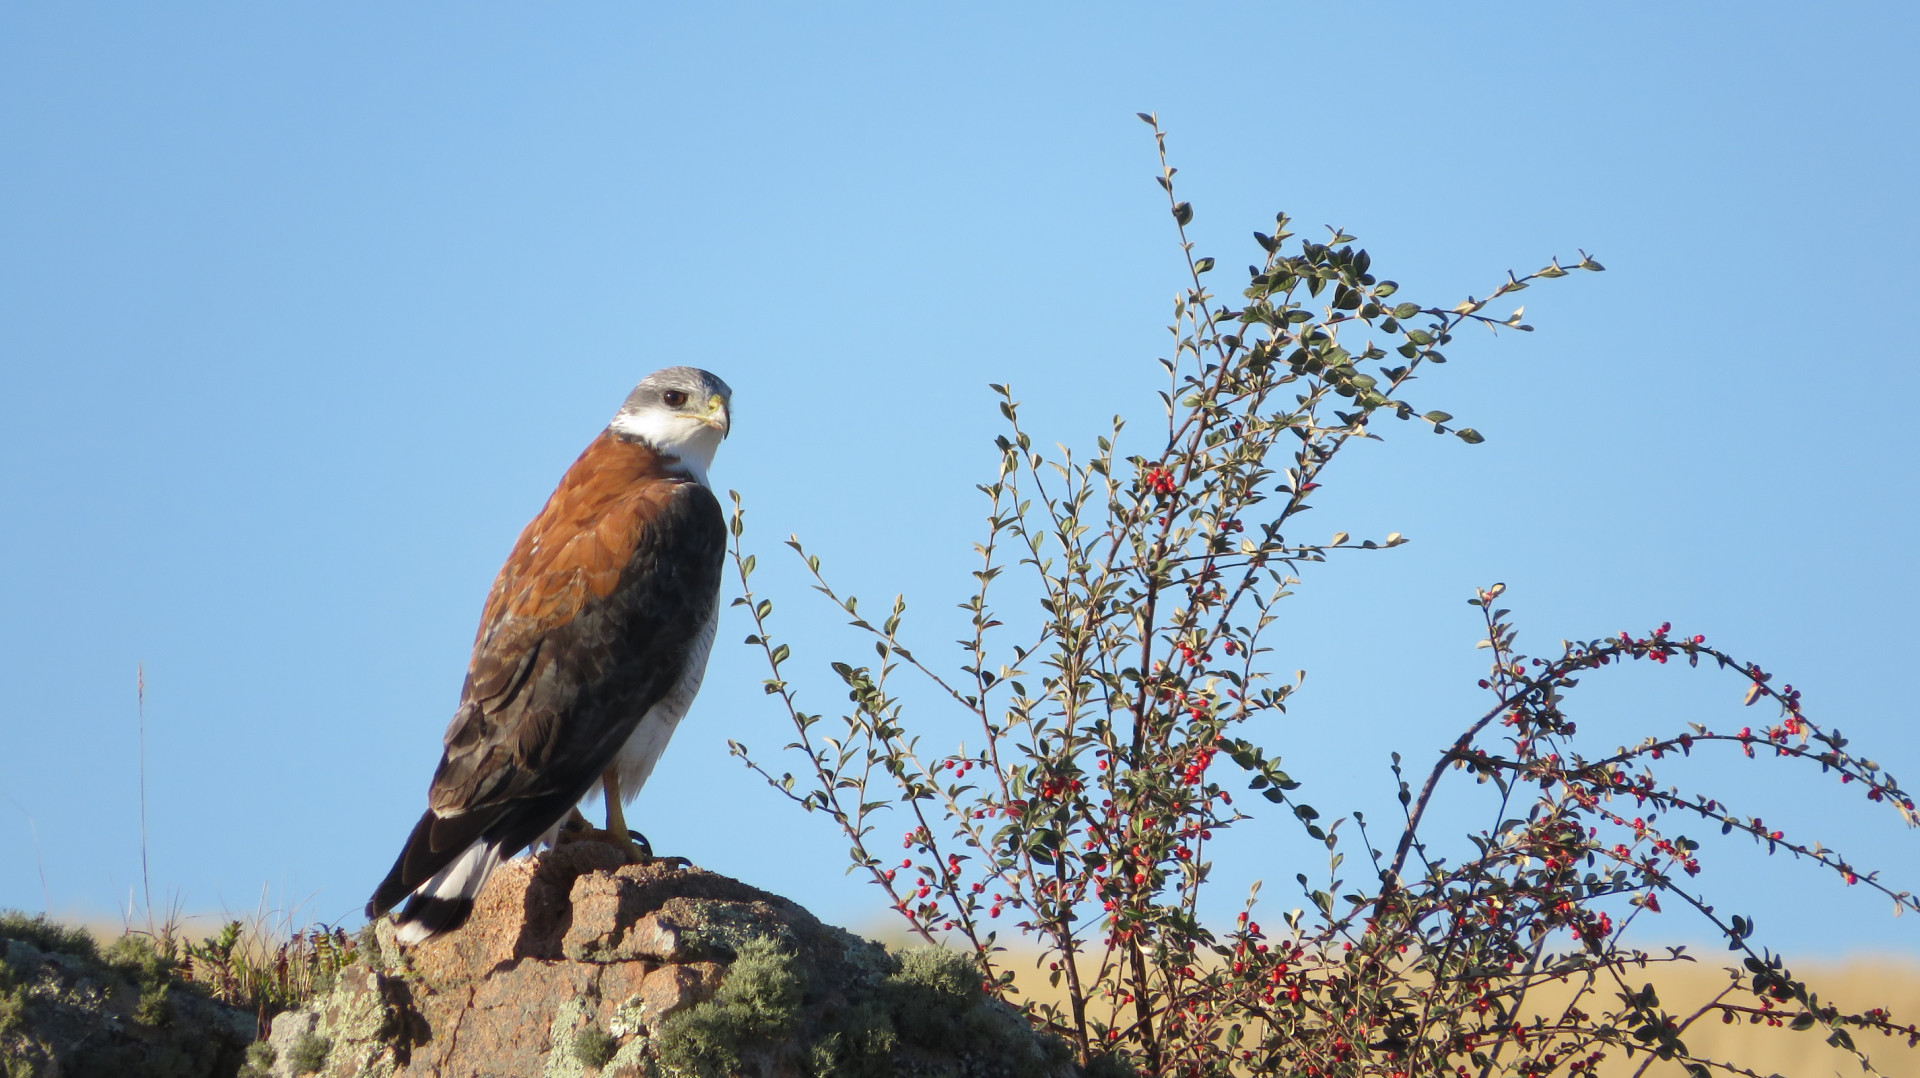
(642, 750)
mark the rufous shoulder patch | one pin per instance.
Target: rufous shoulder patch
(575, 549)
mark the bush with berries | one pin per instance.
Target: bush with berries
(1112, 745)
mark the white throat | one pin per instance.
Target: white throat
(672, 435)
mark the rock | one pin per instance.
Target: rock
(575, 963)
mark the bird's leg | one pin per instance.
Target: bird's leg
(638, 850)
(610, 786)
(617, 834)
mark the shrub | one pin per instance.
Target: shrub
(259, 1060)
(757, 1006)
(251, 966)
(594, 1047)
(308, 1054)
(934, 993)
(47, 935)
(13, 1002)
(1110, 724)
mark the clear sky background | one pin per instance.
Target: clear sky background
(303, 309)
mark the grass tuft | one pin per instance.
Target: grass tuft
(594, 1047)
(309, 1053)
(260, 1060)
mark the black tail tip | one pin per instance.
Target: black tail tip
(425, 916)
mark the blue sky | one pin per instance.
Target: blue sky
(303, 309)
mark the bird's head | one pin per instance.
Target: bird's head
(680, 411)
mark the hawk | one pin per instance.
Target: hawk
(591, 646)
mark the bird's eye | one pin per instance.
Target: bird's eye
(674, 398)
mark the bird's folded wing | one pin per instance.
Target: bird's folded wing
(588, 626)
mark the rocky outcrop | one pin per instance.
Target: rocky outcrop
(70, 1010)
(575, 963)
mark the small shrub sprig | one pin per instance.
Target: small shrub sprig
(1082, 818)
(263, 971)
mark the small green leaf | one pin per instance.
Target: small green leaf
(1183, 213)
(1469, 436)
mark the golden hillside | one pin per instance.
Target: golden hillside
(1853, 984)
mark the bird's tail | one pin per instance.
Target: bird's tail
(447, 859)
(443, 865)
(443, 902)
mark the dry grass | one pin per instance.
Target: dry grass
(1854, 984)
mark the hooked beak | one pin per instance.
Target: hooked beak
(716, 416)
